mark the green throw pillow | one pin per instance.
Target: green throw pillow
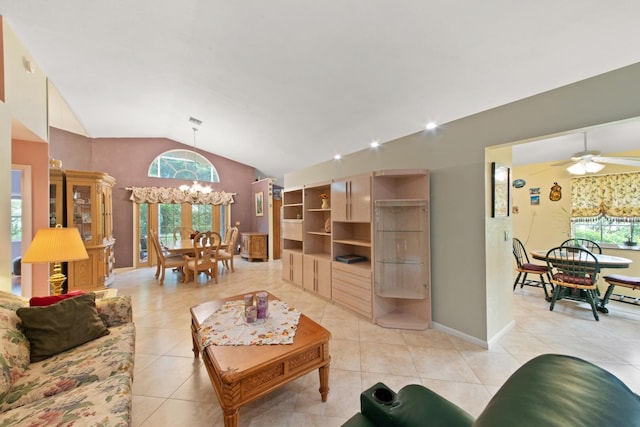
(58, 327)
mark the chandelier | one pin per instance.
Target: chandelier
(196, 187)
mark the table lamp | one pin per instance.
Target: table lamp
(56, 245)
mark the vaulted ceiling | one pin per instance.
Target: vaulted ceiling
(283, 84)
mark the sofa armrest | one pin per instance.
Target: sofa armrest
(115, 311)
(413, 405)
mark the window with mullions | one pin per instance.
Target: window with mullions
(608, 230)
(183, 164)
(201, 217)
(169, 218)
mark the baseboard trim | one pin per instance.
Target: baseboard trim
(461, 335)
(473, 340)
(504, 331)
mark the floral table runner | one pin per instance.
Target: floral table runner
(227, 326)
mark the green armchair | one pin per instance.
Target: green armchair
(549, 390)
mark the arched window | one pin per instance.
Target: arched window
(183, 164)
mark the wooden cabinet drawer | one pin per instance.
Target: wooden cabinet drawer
(355, 271)
(292, 229)
(352, 288)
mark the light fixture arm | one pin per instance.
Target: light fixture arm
(195, 129)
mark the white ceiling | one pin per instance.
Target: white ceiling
(608, 138)
(283, 84)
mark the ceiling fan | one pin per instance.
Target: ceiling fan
(590, 161)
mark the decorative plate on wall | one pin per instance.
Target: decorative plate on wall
(519, 183)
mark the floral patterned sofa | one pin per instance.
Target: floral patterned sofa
(88, 385)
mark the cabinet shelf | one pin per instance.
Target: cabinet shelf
(320, 255)
(414, 230)
(402, 320)
(403, 293)
(400, 261)
(319, 233)
(318, 210)
(363, 267)
(363, 243)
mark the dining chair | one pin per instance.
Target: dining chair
(182, 233)
(587, 244)
(629, 282)
(525, 267)
(164, 261)
(226, 255)
(205, 258)
(576, 270)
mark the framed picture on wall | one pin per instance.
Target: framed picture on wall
(260, 203)
(499, 190)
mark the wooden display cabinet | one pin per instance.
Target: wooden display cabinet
(89, 209)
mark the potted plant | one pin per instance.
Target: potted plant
(630, 241)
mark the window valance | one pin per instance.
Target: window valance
(175, 195)
(616, 195)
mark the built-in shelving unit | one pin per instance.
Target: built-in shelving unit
(388, 277)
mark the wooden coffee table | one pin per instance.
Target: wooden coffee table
(241, 374)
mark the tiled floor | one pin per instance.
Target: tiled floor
(171, 388)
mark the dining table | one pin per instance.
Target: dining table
(182, 247)
(604, 261)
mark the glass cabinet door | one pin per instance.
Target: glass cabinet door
(400, 249)
(81, 206)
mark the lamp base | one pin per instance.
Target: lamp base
(56, 280)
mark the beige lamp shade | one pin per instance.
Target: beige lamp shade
(57, 244)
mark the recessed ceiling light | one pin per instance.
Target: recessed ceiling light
(337, 157)
(431, 125)
(374, 144)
